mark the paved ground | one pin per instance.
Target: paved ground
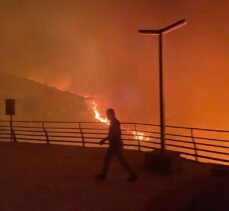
(40, 177)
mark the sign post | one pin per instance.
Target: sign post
(10, 111)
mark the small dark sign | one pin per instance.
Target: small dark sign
(10, 106)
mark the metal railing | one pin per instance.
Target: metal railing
(202, 145)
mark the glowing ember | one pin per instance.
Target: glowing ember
(139, 135)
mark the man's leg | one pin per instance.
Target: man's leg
(107, 160)
(122, 160)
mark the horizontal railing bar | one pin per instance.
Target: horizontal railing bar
(5, 137)
(67, 132)
(137, 123)
(52, 140)
(181, 141)
(131, 145)
(65, 141)
(146, 131)
(203, 150)
(211, 151)
(141, 131)
(196, 128)
(211, 139)
(151, 137)
(183, 136)
(198, 143)
(149, 142)
(61, 128)
(201, 156)
(40, 127)
(129, 139)
(91, 128)
(148, 147)
(139, 135)
(65, 136)
(212, 145)
(22, 134)
(30, 131)
(17, 126)
(183, 147)
(88, 137)
(32, 139)
(25, 121)
(198, 137)
(134, 139)
(95, 133)
(97, 143)
(5, 133)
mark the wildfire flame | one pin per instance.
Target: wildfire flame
(97, 114)
(63, 86)
(138, 135)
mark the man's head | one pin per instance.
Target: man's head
(110, 113)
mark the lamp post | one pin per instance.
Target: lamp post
(160, 33)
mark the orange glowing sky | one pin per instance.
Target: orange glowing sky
(92, 47)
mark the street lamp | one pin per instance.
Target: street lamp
(160, 33)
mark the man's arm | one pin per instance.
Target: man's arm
(103, 140)
(114, 131)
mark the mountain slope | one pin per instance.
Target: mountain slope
(35, 101)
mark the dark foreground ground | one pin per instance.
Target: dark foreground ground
(38, 177)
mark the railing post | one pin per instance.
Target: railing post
(82, 136)
(194, 145)
(12, 133)
(139, 143)
(46, 133)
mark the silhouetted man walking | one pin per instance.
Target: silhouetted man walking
(115, 147)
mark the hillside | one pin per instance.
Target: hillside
(35, 101)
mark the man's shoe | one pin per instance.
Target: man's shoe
(132, 178)
(101, 176)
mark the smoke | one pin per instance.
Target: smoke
(93, 48)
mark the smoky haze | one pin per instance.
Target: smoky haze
(93, 48)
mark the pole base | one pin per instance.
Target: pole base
(165, 163)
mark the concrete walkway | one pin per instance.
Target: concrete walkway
(37, 177)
